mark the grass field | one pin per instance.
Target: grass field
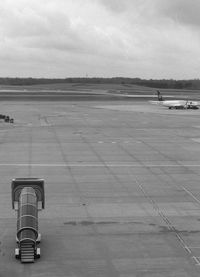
(111, 89)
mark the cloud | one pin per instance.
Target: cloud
(30, 20)
(182, 11)
(145, 38)
(115, 5)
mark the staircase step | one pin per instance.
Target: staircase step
(27, 253)
(27, 259)
(30, 260)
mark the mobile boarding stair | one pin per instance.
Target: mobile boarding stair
(27, 199)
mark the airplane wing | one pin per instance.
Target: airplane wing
(166, 104)
(176, 105)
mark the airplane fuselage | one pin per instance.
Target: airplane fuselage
(179, 104)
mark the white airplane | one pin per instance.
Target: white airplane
(176, 104)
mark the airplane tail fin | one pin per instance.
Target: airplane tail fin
(160, 98)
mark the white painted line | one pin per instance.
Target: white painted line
(190, 193)
(196, 260)
(188, 250)
(30, 164)
(183, 243)
(82, 164)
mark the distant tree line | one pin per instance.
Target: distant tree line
(154, 83)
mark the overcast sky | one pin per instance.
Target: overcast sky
(102, 38)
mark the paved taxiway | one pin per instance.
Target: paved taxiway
(122, 188)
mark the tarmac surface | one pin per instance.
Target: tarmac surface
(122, 183)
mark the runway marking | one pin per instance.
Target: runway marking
(196, 260)
(191, 194)
(82, 164)
(188, 249)
(167, 221)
